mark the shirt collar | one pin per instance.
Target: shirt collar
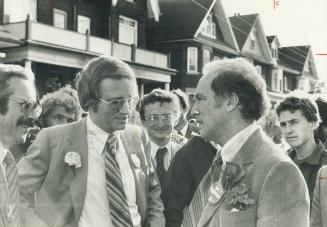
(98, 133)
(3, 152)
(313, 159)
(184, 129)
(155, 148)
(231, 148)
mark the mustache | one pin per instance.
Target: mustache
(26, 121)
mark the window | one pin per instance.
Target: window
(13, 13)
(127, 31)
(192, 59)
(274, 53)
(83, 24)
(277, 82)
(206, 56)
(209, 27)
(252, 40)
(60, 18)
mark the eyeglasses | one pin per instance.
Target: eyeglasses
(118, 103)
(166, 118)
(28, 106)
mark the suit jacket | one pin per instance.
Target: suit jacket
(62, 188)
(319, 203)
(186, 171)
(276, 184)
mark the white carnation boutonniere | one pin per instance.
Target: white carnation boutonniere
(136, 161)
(72, 158)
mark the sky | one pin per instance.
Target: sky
(295, 22)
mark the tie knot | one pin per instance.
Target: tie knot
(9, 159)
(161, 153)
(112, 142)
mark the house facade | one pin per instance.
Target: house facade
(193, 33)
(58, 37)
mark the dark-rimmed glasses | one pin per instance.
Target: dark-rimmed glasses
(118, 103)
(27, 106)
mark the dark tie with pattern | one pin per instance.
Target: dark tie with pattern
(193, 212)
(118, 206)
(11, 206)
(161, 171)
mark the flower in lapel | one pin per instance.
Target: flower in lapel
(230, 172)
(238, 197)
(73, 158)
(136, 161)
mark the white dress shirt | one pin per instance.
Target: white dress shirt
(96, 207)
(184, 129)
(231, 148)
(167, 158)
(3, 153)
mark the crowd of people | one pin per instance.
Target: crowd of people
(101, 156)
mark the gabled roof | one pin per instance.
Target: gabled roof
(296, 57)
(271, 38)
(181, 20)
(242, 26)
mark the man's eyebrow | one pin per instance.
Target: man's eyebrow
(200, 96)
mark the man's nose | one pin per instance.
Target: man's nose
(195, 110)
(33, 114)
(288, 129)
(126, 109)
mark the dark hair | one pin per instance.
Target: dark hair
(238, 76)
(305, 105)
(8, 72)
(94, 72)
(64, 97)
(183, 99)
(157, 95)
(319, 132)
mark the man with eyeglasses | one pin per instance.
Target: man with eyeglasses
(18, 111)
(159, 112)
(96, 171)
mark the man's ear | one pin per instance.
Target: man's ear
(314, 125)
(232, 102)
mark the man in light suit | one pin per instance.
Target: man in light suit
(97, 171)
(252, 183)
(18, 112)
(318, 217)
(159, 111)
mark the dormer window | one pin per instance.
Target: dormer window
(274, 53)
(252, 40)
(209, 27)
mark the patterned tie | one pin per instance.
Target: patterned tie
(11, 206)
(161, 171)
(194, 211)
(118, 206)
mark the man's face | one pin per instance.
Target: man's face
(114, 116)
(208, 111)
(160, 120)
(15, 123)
(58, 116)
(296, 129)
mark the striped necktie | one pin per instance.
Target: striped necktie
(193, 212)
(12, 203)
(118, 206)
(161, 171)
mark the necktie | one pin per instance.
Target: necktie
(194, 211)
(161, 171)
(118, 206)
(11, 206)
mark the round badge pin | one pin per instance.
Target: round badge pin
(215, 193)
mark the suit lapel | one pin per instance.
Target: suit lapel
(242, 159)
(78, 143)
(132, 147)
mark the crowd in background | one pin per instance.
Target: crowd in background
(101, 156)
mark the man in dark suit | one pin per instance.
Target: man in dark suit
(251, 181)
(18, 111)
(159, 111)
(96, 171)
(185, 173)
